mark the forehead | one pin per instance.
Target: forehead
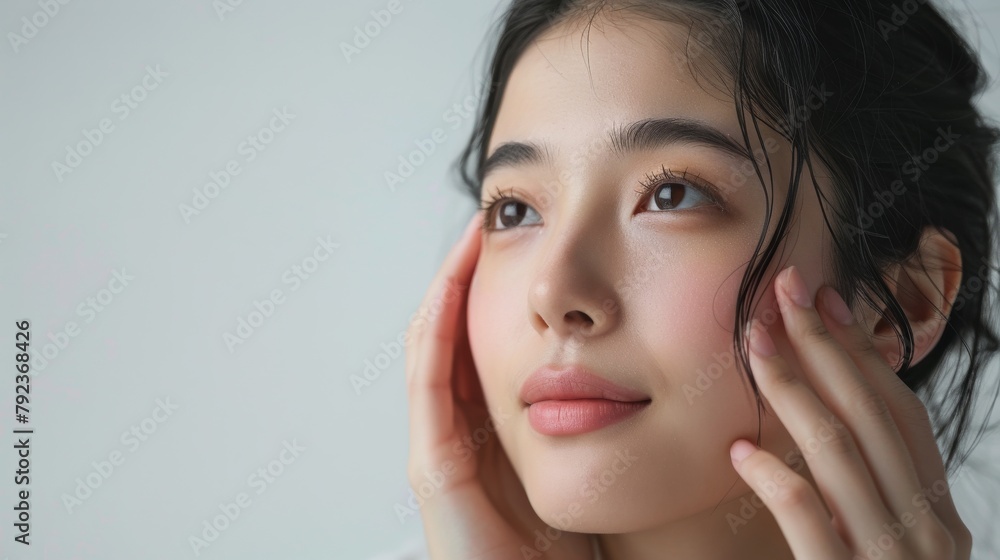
(582, 78)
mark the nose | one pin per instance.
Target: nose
(572, 295)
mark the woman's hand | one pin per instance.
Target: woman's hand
(474, 505)
(866, 437)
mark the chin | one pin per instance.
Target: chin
(618, 481)
(591, 484)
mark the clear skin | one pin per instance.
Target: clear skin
(575, 281)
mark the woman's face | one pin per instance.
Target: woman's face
(641, 290)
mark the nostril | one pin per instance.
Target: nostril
(579, 317)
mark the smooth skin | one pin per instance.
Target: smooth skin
(503, 303)
(480, 511)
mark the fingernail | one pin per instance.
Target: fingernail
(795, 287)
(760, 341)
(740, 450)
(835, 306)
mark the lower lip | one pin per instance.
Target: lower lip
(579, 416)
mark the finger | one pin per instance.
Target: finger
(826, 444)
(466, 379)
(839, 382)
(908, 412)
(431, 305)
(429, 381)
(792, 501)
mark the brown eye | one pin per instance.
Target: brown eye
(510, 214)
(504, 210)
(674, 195)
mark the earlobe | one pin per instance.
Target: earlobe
(926, 287)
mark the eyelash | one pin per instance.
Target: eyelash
(646, 188)
(654, 180)
(492, 204)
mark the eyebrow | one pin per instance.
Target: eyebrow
(648, 134)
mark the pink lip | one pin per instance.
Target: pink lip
(572, 401)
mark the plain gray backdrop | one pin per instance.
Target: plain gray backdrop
(143, 234)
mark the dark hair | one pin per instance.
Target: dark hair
(902, 80)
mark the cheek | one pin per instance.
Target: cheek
(705, 390)
(687, 333)
(489, 326)
(690, 313)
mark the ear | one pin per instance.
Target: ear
(926, 286)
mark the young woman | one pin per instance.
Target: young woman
(722, 248)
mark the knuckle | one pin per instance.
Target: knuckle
(817, 332)
(793, 494)
(863, 344)
(870, 404)
(839, 441)
(780, 374)
(935, 541)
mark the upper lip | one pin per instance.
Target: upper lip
(574, 382)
